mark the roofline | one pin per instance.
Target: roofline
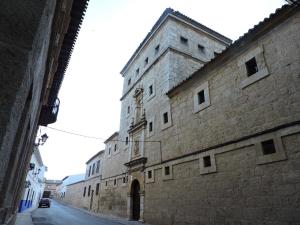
(76, 182)
(94, 156)
(111, 137)
(253, 34)
(170, 13)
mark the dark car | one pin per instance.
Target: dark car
(44, 202)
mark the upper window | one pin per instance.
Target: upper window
(166, 117)
(183, 40)
(151, 89)
(150, 126)
(146, 61)
(89, 190)
(201, 48)
(115, 149)
(84, 191)
(98, 166)
(156, 49)
(109, 151)
(137, 71)
(251, 67)
(126, 141)
(201, 97)
(90, 169)
(268, 147)
(129, 81)
(93, 169)
(97, 188)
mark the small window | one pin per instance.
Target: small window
(124, 180)
(150, 127)
(115, 148)
(115, 182)
(201, 48)
(156, 49)
(251, 67)
(93, 169)
(98, 166)
(106, 183)
(166, 119)
(97, 188)
(146, 61)
(207, 161)
(89, 191)
(129, 81)
(109, 150)
(150, 90)
(126, 141)
(201, 97)
(149, 174)
(268, 147)
(90, 169)
(183, 40)
(137, 71)
(84, 191)
(167, 170)
(128, 109)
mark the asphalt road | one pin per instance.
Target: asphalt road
(59, 214)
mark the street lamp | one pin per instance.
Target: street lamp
(42, 140)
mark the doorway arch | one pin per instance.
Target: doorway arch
(135, 193)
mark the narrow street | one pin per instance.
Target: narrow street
(59, 214)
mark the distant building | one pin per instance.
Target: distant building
(63, 187)
(51, 188)
(209, 130)
(35, 182)
(37, 39)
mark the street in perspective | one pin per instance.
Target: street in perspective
(149, 112)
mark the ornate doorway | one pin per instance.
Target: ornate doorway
(135, 193)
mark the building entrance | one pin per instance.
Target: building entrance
(135, 193)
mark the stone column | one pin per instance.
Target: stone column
(129, 206)
(142, 197)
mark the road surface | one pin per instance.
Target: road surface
(59, 214)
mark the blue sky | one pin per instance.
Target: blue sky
(111, 31)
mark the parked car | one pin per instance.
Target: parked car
(45, 202)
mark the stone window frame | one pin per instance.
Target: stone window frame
(170, 176)
(203, 87)
(109, 153)
(152, 179)
(263, 71)
(126, 180)
(279, 155)
(150, 96)
(212, 168)
(106, 184)
(201, 48)
(151, 120)
(115, 184)
(169, 123)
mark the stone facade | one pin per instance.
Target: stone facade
(215, 146)
(74, 194)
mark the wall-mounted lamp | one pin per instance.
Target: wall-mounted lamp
(42, 140)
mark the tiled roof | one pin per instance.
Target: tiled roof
(166, 13)
(251, 35)
(77, 13)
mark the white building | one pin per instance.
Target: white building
(71, 179)
(35, 182)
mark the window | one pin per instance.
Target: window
(97, 188)
(84, 191)
(89, 191)
(98, 166)
(149, 174)
(183, 40)
(150, 126)
(201, 48)
(128, 109)
(90, 168)
(251, 67)
(129, 81)
(206, 161)
(146, 61)
(126, 141)
(166, 119)
(106, 183)
(156, 49)
(167, 170)
(268, 147)
(137, 71)
(124, 180)
(115, 182)
(115, 148)
(93, 169)
(150, 89)
(109, 150)
(201, 97)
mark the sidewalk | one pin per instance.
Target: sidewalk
(24, 218)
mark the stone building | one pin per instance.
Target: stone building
(36, 41)
(74, 195)
(51, 188)
(209, 130)
(62, 188)
(90, 191)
